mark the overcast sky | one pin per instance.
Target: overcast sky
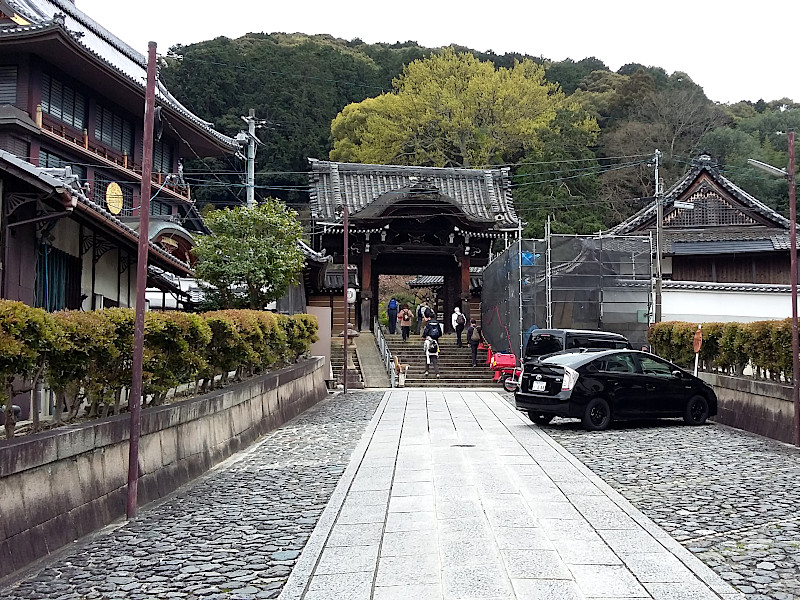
(735, 50)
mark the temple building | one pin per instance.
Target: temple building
(72, 106)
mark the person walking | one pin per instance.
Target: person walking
(431, 347)
(474, 337)
(420, 317)
(391, 312)
(432, 329)
(404, 317)
(458, 320)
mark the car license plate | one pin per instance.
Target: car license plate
(538, 386)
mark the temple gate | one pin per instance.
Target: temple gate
(412, 221)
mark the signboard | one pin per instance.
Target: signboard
(114, 198)
(686, 205)
(698, 339)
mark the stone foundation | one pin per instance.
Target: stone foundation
(761, 407)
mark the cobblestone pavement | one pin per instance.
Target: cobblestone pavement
(731, 498)
(233, 534)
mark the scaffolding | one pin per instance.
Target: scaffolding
(568, 281)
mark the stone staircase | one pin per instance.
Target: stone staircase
(454, 363)
(337, 358)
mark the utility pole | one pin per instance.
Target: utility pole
(793, 263)
(659, 238)
(521, 320)
(346, 280)
(251, 158)
(135, 398)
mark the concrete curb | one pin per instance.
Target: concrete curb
(300, 577)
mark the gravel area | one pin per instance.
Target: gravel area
(730, 497)
(233, 534)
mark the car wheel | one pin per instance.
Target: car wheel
(597, 415)
(540, 418)
(696, 411)
(508, 382)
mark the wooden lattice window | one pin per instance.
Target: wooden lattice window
(710, 209)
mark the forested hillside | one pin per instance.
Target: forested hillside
(583, 159)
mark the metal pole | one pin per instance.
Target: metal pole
(346, 279)
(793, 265)
(548, 273)
(251, 159)
(521, 324)
(659, 240)
(135, 398)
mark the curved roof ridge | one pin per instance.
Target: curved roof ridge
(97, 40)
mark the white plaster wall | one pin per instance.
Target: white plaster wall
(709, 306)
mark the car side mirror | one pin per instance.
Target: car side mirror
(677, 374)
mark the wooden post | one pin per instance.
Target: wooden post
(135, 398)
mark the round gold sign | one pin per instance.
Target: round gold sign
(114, 198)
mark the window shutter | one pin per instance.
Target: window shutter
(8, 84)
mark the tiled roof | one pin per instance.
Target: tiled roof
(709, 286)
(61, 179)
(437, 281)
(728, 240)
(483, 195)
(44, 14)
(334, 279)
(701, 165)
(721, 247)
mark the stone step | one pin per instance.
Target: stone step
(455, 366)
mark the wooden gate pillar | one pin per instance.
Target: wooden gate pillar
(366, 292)
(464, 295)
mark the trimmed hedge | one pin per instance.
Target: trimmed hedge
(87, 356)
(729, 347)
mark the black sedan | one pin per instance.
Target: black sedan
(598, 387)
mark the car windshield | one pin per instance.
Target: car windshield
(543, 343)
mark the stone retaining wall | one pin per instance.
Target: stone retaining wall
(762, 407)
(62, 484)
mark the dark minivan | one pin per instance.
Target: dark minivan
(548, 341)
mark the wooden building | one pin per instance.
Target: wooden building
(412, 221)
(72, 99)
(716, 232)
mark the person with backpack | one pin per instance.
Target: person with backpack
(459, 320)
(404, 317)
(391, 312)
(431, 347)
(420, 317)
(432, 329)
(474, 337)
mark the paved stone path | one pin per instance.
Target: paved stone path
(730, 497)
(233, 534)
(454, 495)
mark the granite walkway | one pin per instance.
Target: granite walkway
(454, 495)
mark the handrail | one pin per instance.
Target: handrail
(386, 354)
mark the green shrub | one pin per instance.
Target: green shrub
(27, 336)
(89, 354)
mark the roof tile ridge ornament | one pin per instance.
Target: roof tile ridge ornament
(336, 188)
(494, 204)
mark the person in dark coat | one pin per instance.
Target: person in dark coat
(474, 337)
(391, 312)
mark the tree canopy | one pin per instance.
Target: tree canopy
(390, 111)
(451, 110)
(252, 256)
